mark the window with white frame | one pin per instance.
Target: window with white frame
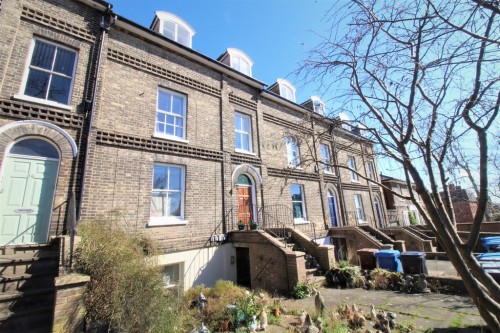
(243, 132)
(172, 275)
(174, 28)
(298, 203)
(351, 163)
(318, 105)
(326, 158)
(371, 170)
(286, 89)
(360, 212)
(292, 151)
(50, 73)
(171, 115)
(167, 197)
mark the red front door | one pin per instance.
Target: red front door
(245, 204)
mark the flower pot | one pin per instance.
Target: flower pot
(254, 227)
(242, 227)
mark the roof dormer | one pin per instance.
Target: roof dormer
(237, 60)
(173, 27)
(316, 105)
(283, 88)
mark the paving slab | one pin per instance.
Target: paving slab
(427, 311)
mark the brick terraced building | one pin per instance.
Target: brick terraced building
(186, 147)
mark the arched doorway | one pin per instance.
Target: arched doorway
(29, 175)
(332, 206)
(380, 211)
(245, 190)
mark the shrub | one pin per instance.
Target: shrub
(126, 290)
(301, 290)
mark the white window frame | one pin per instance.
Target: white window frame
(371, 170)
(292, 148)
(167, 113)
(180, 273)
(360, 210)
(351, 163)
(28, 68)
(287, 90)
(170, 220)
(165, 17)
(299, 220)
(243, 132)
(326, 158)
(318, 105)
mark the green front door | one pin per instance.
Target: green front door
(26, 195)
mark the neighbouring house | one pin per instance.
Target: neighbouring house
(400, 211)
(189, 149)
(464, 204)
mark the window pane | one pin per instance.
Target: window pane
(160, 117)
(160, 128)
(164, 100)
(174, 204)
(175, 178)
(160, 177)
(171, 275)
(297, 210)
(37, 84)
(43, 55)
(65, 60)
(179, 132)
(237, 122)
(169, 130)
(158, 204)
(179, 122)
(170, 120)
(178, 105)
(245, 124)
(296, 192)
(59, 89)
(237, 140)
(35, 147)
(169, 29)
(245, 142)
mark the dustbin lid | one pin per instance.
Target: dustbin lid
(412, 254)
(387, 253)
(493, 241)
(367, 250)
(493, 256)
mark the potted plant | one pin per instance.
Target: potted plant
(241, 225)
(254, 225)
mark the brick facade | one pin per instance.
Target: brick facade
(123, 148)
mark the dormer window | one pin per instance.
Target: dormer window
(174, 28)
(318, 105)
(287, 90)
(345, 120)
(237, 60)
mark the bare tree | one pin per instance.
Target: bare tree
(423, 77)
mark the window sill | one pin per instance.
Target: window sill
(300, 221)
(295, 167)
(165, 223)
(354, 181)
(246, 152)
(170, 138)
(329, 173)
(44, 102)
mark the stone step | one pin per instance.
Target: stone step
(13, 300)
(35, 319)
(311, 271)
(18, 264)
(23, 282)
(27, 248)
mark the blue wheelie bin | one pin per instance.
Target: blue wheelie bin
(491, 244)
(490, 262)
(389, 259)
(413, 262)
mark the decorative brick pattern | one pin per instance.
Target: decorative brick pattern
(275, 120)
(44, 19)
(161, 71)
(243, 102)
(241, 158)
(19, 110)
(155, 145)
(291, 173)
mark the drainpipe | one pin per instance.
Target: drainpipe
(107, 20)
(340, 187)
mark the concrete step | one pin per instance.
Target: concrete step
(35, 319)
(311, 271)
(27, 248)
(23, 282)
(18, 264)
(14, 299)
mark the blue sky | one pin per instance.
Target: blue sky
(275, 34)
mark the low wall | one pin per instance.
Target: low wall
(69, 311)
(412, 242)
(324, 254)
